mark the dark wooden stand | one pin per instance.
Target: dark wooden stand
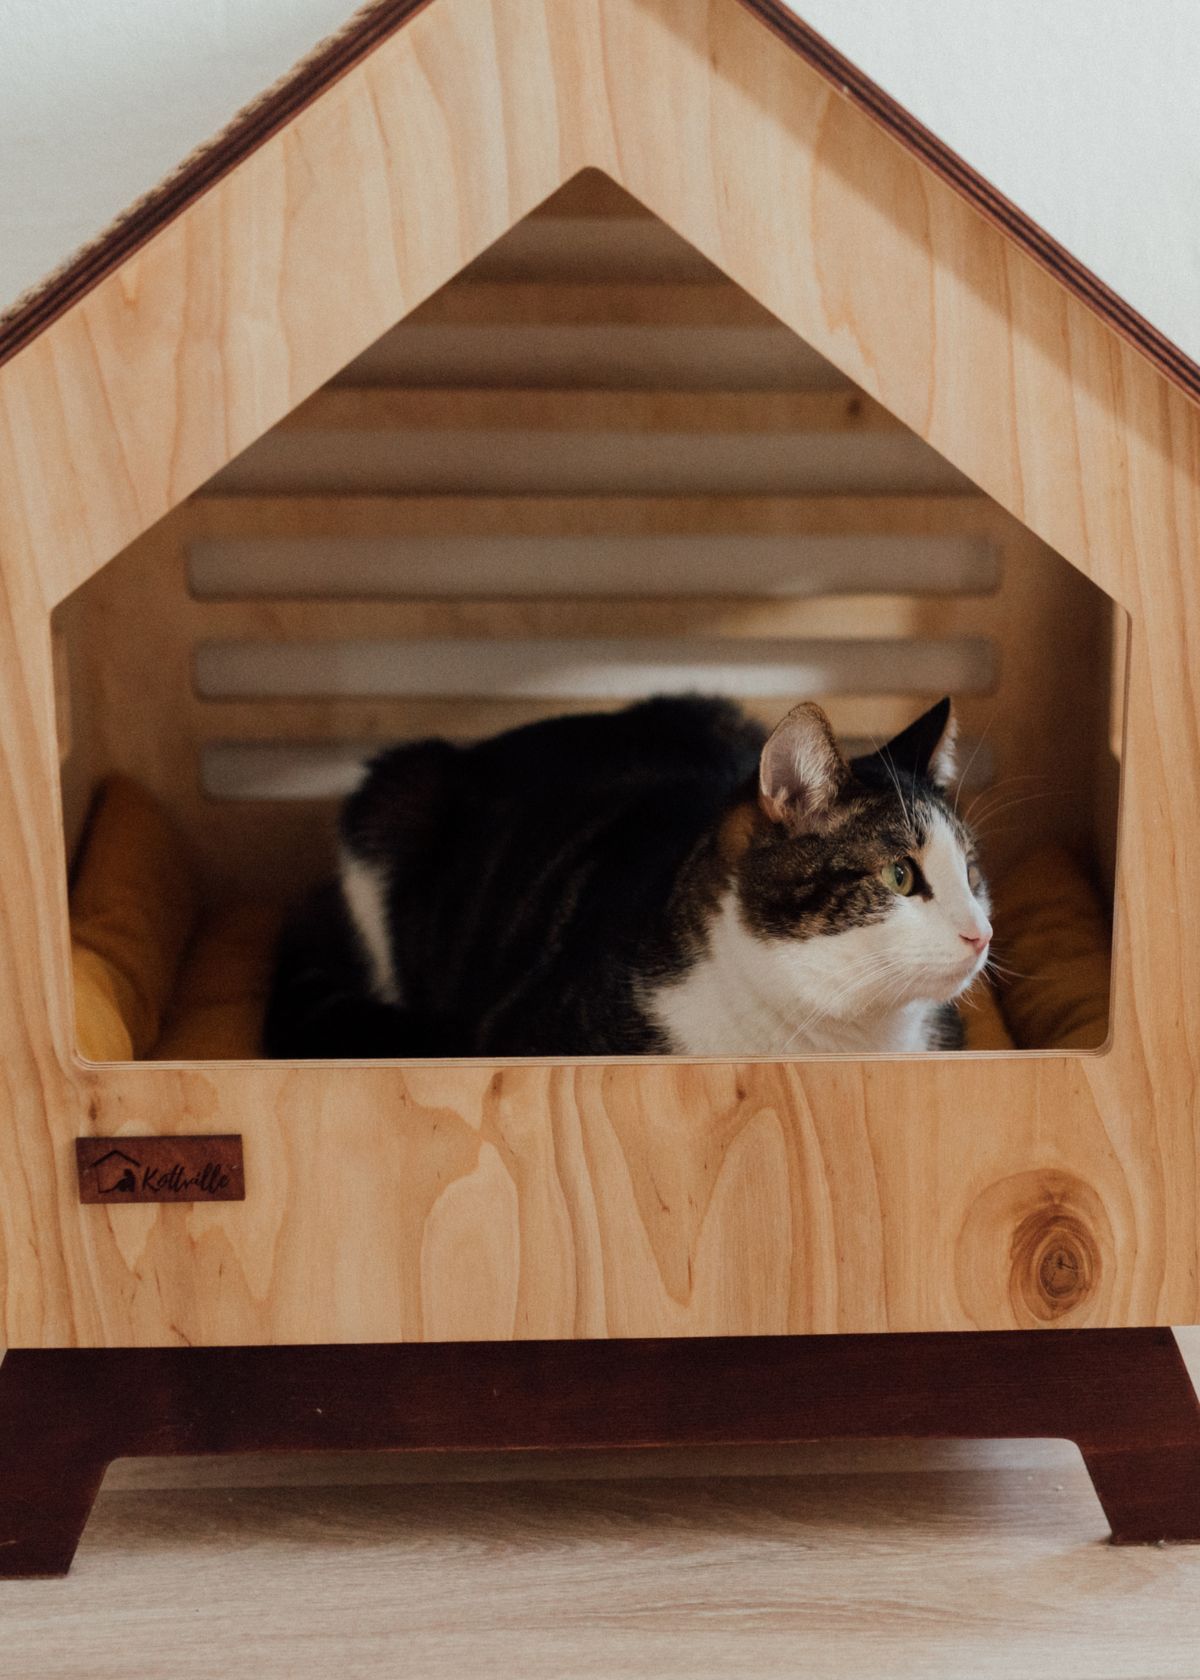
(1123, 1395)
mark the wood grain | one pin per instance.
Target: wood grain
(920, 1570)
(1064, 267)
(651, 1199)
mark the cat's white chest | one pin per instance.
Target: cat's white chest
(752, 997)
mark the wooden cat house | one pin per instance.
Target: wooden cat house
(511, 358)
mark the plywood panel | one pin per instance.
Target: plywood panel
(627, 1199)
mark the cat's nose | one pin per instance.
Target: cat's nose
(977, 941)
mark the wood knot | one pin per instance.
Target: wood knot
(1035, 1249)
(1054, 1261)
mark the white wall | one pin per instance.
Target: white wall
(1085, 112)
(99, 99)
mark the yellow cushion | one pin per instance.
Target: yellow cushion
(1052, 931)
(217, 1011)
(104, 1004)
(982, 1020)
(134, 903)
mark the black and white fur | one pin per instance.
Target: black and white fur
(661, 880)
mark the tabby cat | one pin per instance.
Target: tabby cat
(660, 880)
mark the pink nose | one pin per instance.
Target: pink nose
(977, 941)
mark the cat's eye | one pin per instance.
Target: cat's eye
(900, 877)
(974, 878)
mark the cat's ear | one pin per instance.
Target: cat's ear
(927, 748)
(801, 771)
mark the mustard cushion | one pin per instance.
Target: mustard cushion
(217, 1010)
(982, 1020)
(1052, 931)
(103, 1005)
(134, 903)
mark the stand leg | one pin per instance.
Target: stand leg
(1143, 1449)
(1148, 1496)
(50, 1470)
(1123, 1395)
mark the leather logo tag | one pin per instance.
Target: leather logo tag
(161, 1169)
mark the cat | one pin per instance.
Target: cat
(666, 879)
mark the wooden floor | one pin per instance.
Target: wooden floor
(968, 1560)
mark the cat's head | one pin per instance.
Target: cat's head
(859, 872)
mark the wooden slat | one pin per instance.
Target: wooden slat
(265, 771)
(715, 567)
(829, 617)
(312, 516)
(380, 409)
(576, 462)
(735, 356)
(383, 718)
(592, 667)
(485, 303)
(656, 546)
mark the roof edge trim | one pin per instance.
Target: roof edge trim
(853, 84)
(373, 23)
(252, 126)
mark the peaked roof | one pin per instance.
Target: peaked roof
(379, 19)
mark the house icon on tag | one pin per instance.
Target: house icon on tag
(126, 1181)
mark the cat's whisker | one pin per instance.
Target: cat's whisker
(888, 980)
(998, 804)
(997, 966)
(1001, 804)
(994, 790)
(966, 770)
(877, 966)
(895, 775)
(883, 754)
(980, 823)
(826, 1008)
